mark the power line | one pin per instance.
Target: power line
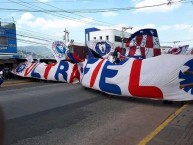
(57, 1)
(75, 14)
(27, 41)
(178, 41)
(92, 10)
(31, 37)
(189, 27)
(124, 9)
(44, 11)
(60, 15)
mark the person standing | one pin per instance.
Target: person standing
(6, 71)
(1, 76)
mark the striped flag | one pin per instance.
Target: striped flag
(144, 43)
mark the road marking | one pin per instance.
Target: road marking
(145, 140)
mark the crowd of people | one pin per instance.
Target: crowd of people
(5, 74)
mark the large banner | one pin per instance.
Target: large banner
(161, 77)
(165, 77)
(62, 71)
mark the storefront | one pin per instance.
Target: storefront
(8, 47)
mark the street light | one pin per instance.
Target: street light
(123, 30)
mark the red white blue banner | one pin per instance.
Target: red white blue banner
(62, 71)
(179, 50)
(165, 77)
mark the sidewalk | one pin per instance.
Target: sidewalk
(178, 129)
(15, 81)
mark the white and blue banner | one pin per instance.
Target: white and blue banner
(62, 71)
(165, 77)
(59, 50)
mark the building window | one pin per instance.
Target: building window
(107, 37)
(100, 37)
(86, 37)
(118, 39)
(94, 38)
(3, 41)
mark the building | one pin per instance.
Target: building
(8, 45)
(112, 35)
(165, 49)
(8, 48)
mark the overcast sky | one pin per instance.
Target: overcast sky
(47, 19)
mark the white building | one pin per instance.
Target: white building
(112, 35)
(165, 49)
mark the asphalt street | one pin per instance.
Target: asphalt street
(48, 113)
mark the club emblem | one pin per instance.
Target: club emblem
(187, 78)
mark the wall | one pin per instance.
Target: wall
(87, 33)
(110, 33)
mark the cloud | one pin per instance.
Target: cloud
(165, 27)
(53, 27)
(175, 27)
(27, 19)
(136, 28)
(181, 26)
(190, 30)
(109, 14)
(44, 1)
(164, 8)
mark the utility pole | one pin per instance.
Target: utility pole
(66, 36)
(122, 33)
(13, 20)
(176, 42)
(174, 45)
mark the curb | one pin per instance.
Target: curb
(8, 82)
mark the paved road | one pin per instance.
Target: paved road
(41, 113)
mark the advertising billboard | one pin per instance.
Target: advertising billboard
(8, 42)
